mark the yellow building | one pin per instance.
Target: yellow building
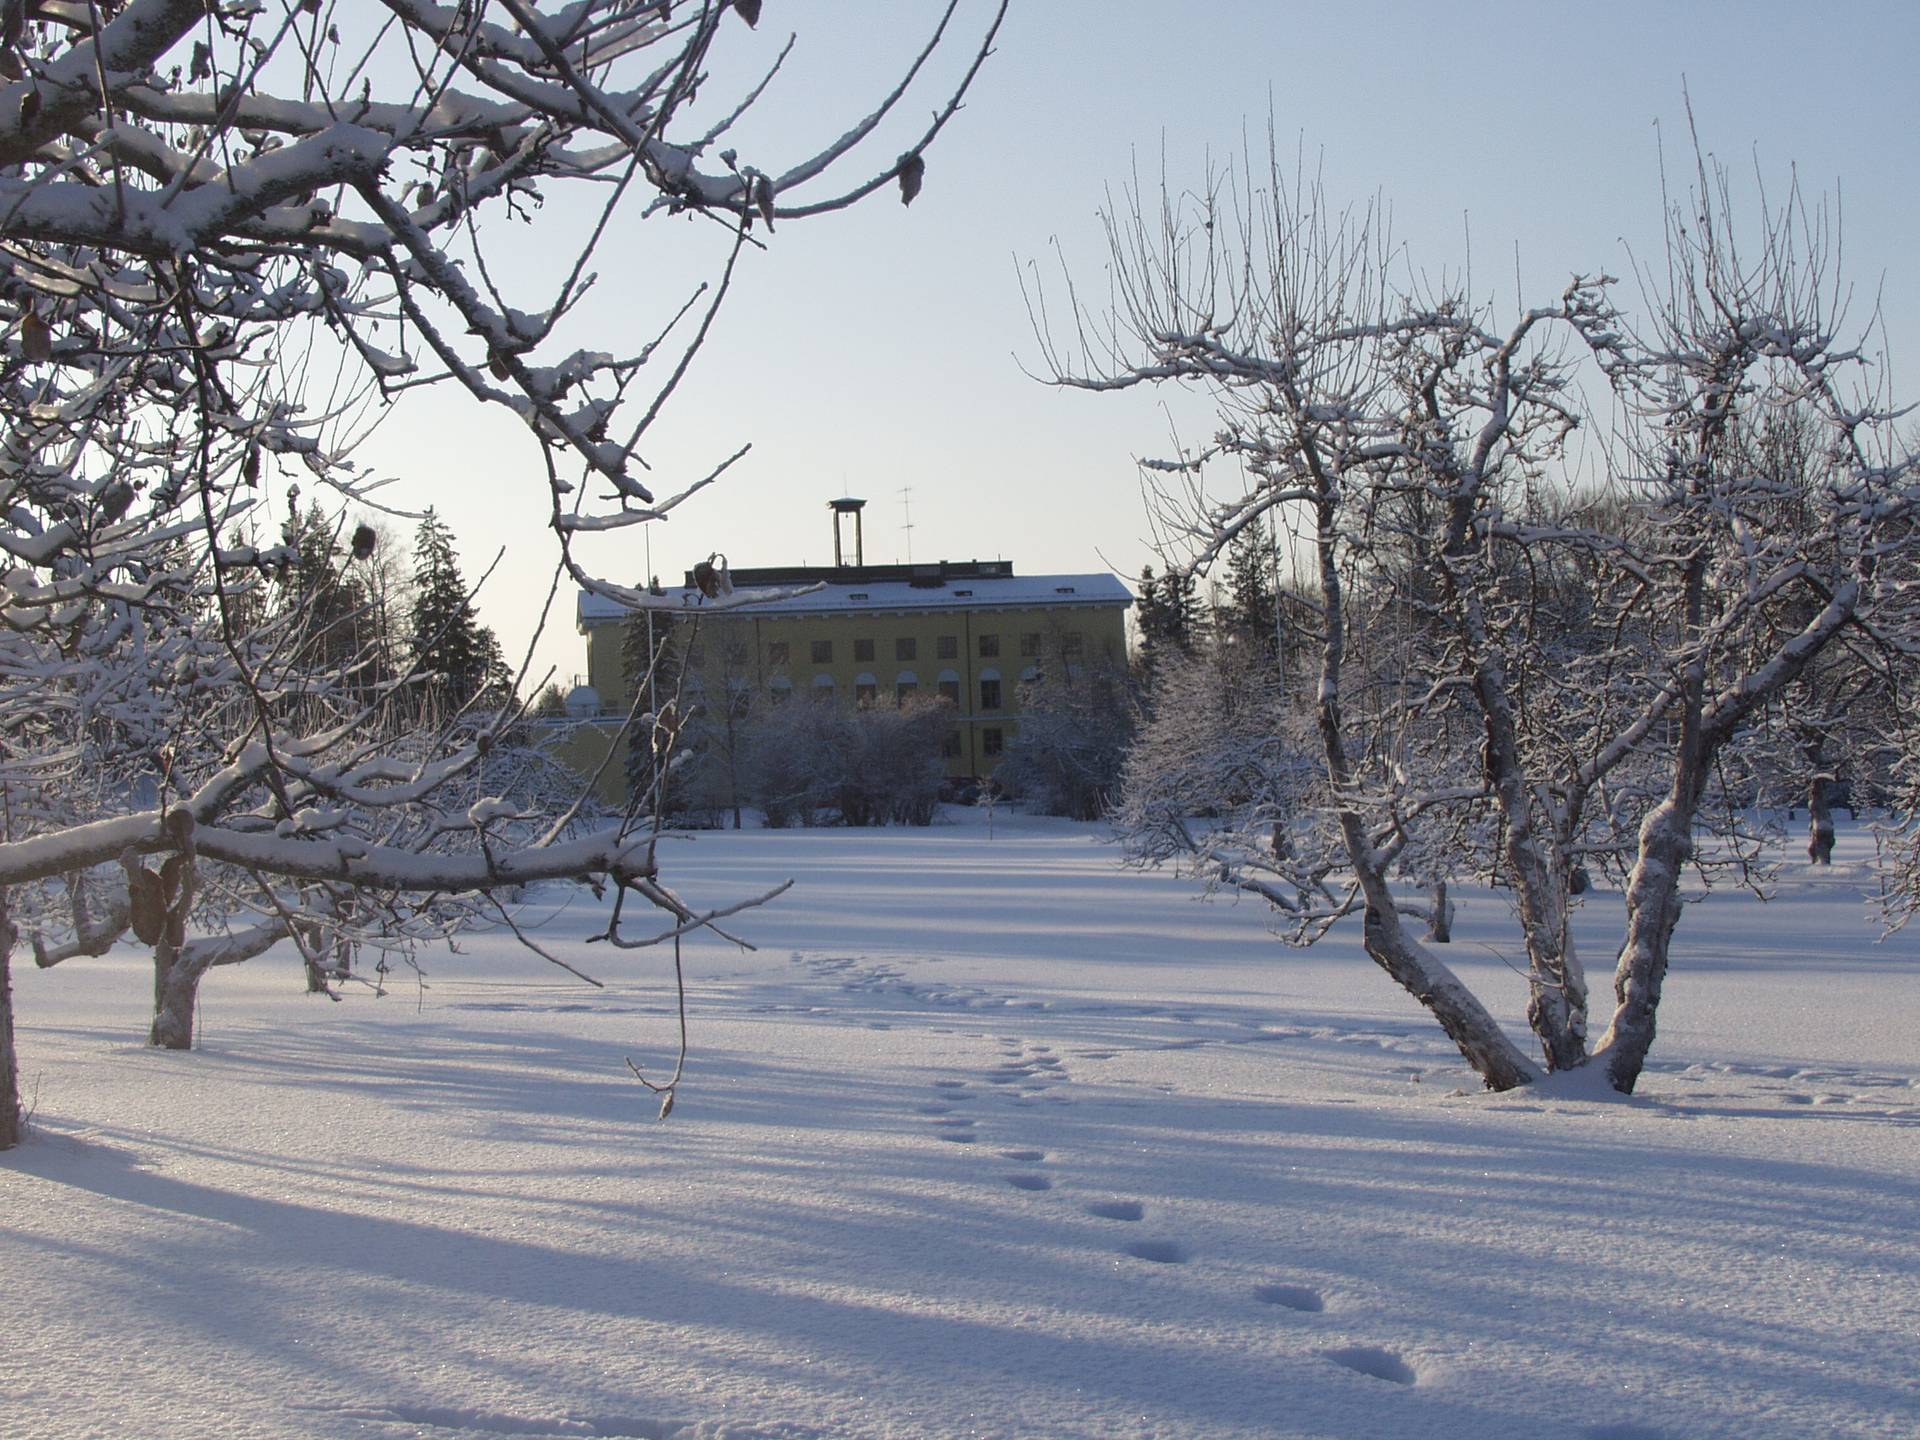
(972, 632)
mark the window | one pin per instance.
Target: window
(991, 742)
(949, 685)
(1072, 643)
(776, 652)
(862, 651)
(781, 691)
(1029, 644)
(736, 652)
(990, 690)
(866, 690)
(823, 652)
(989, 646)
(823, 688)
(947, 647)
(904, 691)
(950, 744)
(905, 647)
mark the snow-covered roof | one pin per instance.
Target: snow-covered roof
(996, 592)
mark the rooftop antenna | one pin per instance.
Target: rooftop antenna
(906, 505)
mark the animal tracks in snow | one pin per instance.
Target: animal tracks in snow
(1159, 1252)
(1017, 1071)
(865, 977)
(1372, 1361)
(1851, 1094)
(1290, 1297)
(424, 1419)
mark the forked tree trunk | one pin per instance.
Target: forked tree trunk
(11, 1124)
(179, 965)
(1480, 1040)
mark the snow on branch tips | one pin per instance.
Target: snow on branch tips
(1482, 651)
(232, 235)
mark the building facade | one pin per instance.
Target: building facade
(972, 633)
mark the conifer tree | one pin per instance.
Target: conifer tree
(320, 584)
(1250, 611)
(458, 656)
(1168, 617)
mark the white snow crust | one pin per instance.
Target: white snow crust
(989, 1138)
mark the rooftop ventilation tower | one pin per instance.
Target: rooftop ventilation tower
(842, 508)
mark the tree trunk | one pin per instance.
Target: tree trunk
(1653, 910)
(11, 1125)
(1481, 1041)
(1440, 923)
(1537, 870)
(1820, 818)
(176, 989)
(1467, 1022)
(1537, 864)
(318, 978)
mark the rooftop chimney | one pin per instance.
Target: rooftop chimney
(842, 508)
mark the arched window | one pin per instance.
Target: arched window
(866, 689)
(990, 689)
(904, 686)
(780, 690)
(823, 688)
(949, 684)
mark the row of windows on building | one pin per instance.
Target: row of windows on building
(866, 689)
(993, 739)
(905, 647)
(992, 742)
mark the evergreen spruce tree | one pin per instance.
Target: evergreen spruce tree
(1251, 608)
(1187, 617)
(321, 587)
(1168, 618)
(1152, 626)
(458, 656)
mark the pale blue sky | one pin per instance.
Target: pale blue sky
(878, 349)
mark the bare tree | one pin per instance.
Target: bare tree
(229, 234)
(1076, 718)
(1357, 407)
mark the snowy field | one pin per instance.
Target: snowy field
(989, 1138)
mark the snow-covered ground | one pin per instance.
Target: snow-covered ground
(989, 1137)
